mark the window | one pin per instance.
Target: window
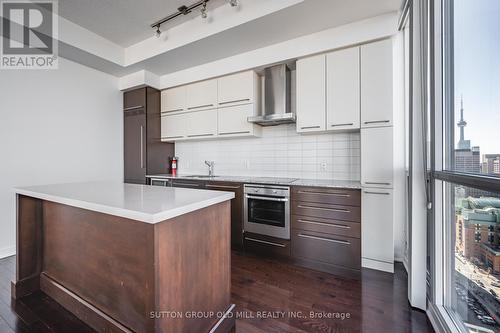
(476, 81)
(466, 187)
(474, 221)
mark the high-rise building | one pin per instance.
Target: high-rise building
(491, 164)
(467, 158)
(478, 231)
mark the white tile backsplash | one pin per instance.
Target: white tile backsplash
(280, 152)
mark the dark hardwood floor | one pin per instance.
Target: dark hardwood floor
(261, 288)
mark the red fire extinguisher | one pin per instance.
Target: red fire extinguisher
(174, 166)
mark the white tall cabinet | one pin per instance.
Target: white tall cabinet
(377, 155)
(376, 84)
(377, 228)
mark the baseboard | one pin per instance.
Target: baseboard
(405, 264)
(377, 265)
(7, 252)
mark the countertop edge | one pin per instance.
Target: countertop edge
(298, 182)
(126, 213)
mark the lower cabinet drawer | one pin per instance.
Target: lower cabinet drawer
(327, 211)
(331, 249)
(329, 226)
(266, 245)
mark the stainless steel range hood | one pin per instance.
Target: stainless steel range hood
(277, 98)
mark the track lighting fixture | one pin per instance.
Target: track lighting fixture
(185, 10)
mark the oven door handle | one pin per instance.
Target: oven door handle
(266, 198)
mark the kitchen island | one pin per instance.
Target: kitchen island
(128, 258)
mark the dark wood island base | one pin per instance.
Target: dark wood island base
(122, 275)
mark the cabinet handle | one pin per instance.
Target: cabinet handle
(236, 101)
(382, 193)
(185, 184)
(310, 127)
(223, 186)
(335, 125)
(266, 198)
(265, 242)
(142, 148)
(377, 122)
(320, 193)
(199, 135)
(325, 239)
(376, 183)
(199, 107)
(174, 110)
(172, 137)
(329, 209)
(231, 133)
(325, 224)
(133, 108)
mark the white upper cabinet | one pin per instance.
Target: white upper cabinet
(201, 124)
(377, 84)
(240, 88)
(173, 99)
(202, 95)
(232, 121)
(343, 90)
(311, 94)
(377, 168)
(173, 127)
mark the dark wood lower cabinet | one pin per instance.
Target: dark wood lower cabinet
(267, 246)
(236, 203)
(325, 227)
(333, 253)
(326, 230)
(188, 183)
(236, 210)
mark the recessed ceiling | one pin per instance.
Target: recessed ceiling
(125, 22)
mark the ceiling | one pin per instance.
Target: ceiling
(125, 22)
(299, 20)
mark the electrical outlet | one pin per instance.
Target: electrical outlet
(322, 166)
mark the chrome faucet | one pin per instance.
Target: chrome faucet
(210, 165)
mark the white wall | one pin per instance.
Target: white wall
(56, 126)
(280, 152)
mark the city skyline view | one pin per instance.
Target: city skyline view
(477, 72)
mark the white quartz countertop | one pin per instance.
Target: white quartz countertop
(149, 204)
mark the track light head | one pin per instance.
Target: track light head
(233, 3)
(158, 32)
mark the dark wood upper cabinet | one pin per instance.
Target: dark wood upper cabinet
(144, 153)
(134, 99)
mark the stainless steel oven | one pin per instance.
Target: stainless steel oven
(267, 210)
